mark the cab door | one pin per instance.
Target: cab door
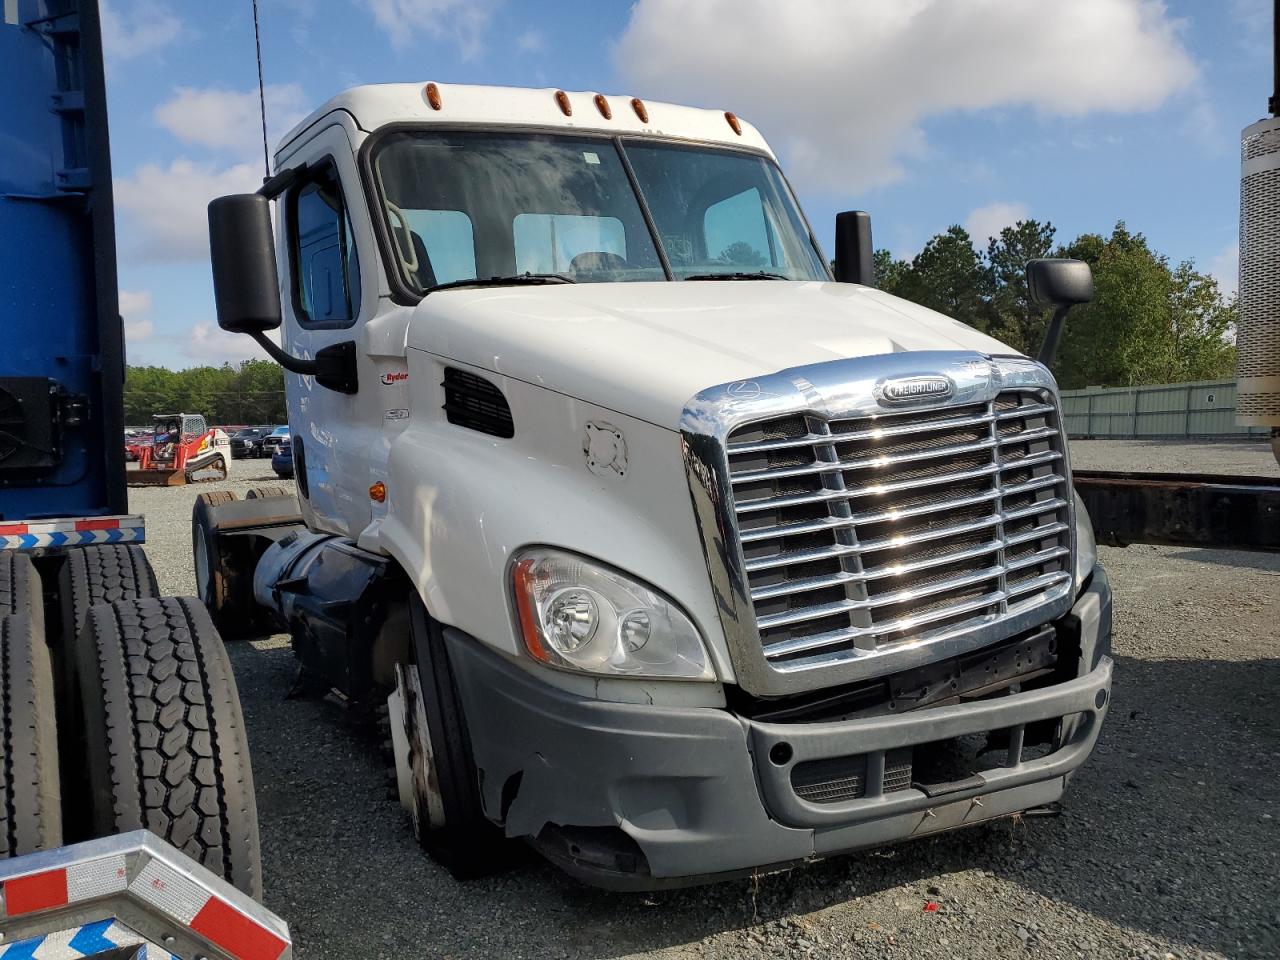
(329, 291)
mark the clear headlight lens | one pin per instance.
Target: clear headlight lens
(1086, 544)
(583, 616)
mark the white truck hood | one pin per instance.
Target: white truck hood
(645, 349)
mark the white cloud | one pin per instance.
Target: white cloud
(1225, 268)
(146, 26)
(987, 222)
(463, 22)
(843, 86)
(229, 119)
(167, 206)
(135, 303)
(532, 40)
(135, 308)
(210, 344)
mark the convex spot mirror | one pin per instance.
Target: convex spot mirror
(242, 250)
(1058, 282)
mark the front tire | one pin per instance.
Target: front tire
(165, 738)
(463, 839)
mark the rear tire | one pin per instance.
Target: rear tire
(165, 739)
(30, 801)
(103, 573)
(226, 594)
(467, 843)
(20, 589)
(263, 493)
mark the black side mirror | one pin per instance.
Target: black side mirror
(855, 262)
(242, 249)
(1059, 283)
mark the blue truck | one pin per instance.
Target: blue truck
(124, 768)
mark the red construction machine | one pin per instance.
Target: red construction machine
(182, 449)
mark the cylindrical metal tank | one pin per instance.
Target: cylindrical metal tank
(1258, 334)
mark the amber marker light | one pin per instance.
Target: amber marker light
(432, 93)
(522, 577)
(603, 106)
(641, 110)
(733, 122)
(562, 99)
(378, 492)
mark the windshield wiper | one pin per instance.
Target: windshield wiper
(759, 275)
(517, 278)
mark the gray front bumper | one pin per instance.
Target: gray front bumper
(696, 790)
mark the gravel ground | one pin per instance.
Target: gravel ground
(1167, 846)
(1153, 456)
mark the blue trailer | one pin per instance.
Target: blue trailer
(104, 683)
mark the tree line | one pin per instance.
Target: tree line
(248, 393)
(1151, 320)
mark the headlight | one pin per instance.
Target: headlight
(583, 616)
(1086, 544)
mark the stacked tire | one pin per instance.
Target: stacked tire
(148, 710)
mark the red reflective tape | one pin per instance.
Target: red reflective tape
(40, 891)
(97, 525)
(12, 529)
(233, 931)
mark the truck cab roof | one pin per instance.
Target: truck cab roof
(377, 105)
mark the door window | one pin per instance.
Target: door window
(326, 268)
(568, 243)
(737, 233)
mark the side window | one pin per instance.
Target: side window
(736, 232)
(560, 243)
(326, 270)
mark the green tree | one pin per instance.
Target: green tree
(948, 275)
(1015, 319)
(890, 271)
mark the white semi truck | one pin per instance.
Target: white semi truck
(667, 549)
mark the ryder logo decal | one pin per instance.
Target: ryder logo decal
(396, 376)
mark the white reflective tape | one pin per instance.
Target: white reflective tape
(172, 893)
(96, 878)
(10, 11)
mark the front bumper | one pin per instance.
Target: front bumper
(631, 796)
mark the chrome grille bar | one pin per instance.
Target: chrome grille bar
(848, 535)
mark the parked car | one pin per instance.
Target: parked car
(282, 458)
(274, 438)
(248, 442)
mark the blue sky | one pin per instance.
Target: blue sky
(925, 112)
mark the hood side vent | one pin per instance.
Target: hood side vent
(475, 403)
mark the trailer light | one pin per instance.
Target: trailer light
(579, 615)
(432, 93)
(378, 492)
(562, 99)
(733, 122)
(641, 110)
(603, 106)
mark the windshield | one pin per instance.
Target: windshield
(474, 205)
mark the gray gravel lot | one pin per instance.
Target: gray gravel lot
(1168, 845)
(1155, 456)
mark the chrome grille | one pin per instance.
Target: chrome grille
(863, 533)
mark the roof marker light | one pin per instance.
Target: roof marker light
(638, 106)
(562, 99)
(603, 106)
(433, 96)
(733, 122)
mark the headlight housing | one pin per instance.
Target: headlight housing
(581, 615)
(1086, 544)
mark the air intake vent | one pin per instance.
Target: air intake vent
(475, 403)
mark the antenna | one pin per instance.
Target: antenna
(262, 96)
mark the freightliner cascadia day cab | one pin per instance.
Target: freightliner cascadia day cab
(663, 549)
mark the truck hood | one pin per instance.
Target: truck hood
(645, 349)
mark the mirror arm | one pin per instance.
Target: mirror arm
(273, 187)
(1053, 335)
(292, 364)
